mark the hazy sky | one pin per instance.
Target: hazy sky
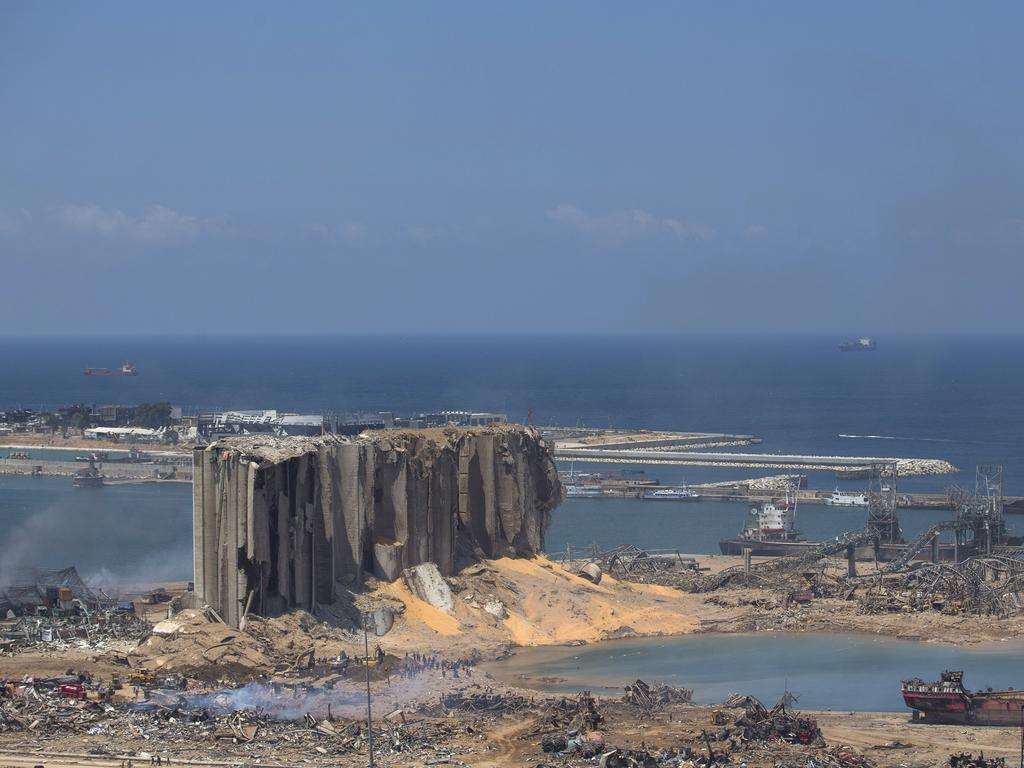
(477, 167)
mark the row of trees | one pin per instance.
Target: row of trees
(151, 415)
(75, 417)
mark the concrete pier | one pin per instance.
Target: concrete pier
(751, 460)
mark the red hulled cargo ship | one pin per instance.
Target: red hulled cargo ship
(947, 701)
(126, 370)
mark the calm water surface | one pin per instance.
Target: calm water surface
(953, 398)
(130, 532)
(826, 671)
(947, 397)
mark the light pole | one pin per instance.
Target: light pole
(382, 619)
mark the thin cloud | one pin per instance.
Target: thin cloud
(688, 230)
(627, 225)
(156, 223)
(14, 221)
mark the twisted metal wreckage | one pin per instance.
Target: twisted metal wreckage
(985, 575)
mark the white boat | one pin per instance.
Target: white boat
(583, 491)
(847, 499)
(671, 494)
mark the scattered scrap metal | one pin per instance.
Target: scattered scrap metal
(88, 630)
(630, 563)
(991, 585)
(968, 760)
(778, 723)
(488, 701)
(43, 710)
(648, 697)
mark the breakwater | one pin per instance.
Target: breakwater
(906, 467)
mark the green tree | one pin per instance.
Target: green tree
(153, 415)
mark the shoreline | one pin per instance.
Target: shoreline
(103, 445)
(537, 656)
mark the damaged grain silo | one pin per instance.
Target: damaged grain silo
(288, 522)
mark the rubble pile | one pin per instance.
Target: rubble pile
(755, 735)
(648, 697)
(990, 585)
(47, 710)
(570, 727)
(757, 723)
(492, 703)
(577, 713)
(968, 760)
(194, 644)
(631, 563)
(983, 585)
(88, 630)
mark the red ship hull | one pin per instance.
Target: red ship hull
(949, 702)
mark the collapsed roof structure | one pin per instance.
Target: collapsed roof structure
(28, 588)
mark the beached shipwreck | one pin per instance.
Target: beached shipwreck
(283, 523)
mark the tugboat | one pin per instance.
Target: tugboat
(947, 701)
(126, 370)
(863, 344)
(89, 477)
(681, 493)
(770, 531)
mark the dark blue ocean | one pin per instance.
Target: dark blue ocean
(957, 398)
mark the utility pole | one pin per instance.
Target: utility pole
(369, 708)
(383, 618)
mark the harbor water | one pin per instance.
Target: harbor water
(955, 398)
(124, 529)
(129, 533)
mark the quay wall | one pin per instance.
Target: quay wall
(113, 471)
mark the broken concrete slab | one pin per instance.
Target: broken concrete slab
(426, 582)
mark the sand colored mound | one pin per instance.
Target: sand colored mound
(497, 603)
(535, 602)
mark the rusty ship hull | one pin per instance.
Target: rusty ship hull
(948, 702)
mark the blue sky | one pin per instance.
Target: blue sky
(535, 167)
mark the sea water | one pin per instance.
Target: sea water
(952, 398)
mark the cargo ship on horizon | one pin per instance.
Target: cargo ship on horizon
(125, 370)
(947, 701)
(863, 344)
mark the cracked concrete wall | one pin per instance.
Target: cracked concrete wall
(282, 522)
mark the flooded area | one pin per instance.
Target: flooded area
(824, 671)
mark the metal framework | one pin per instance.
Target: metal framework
(882, 519)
